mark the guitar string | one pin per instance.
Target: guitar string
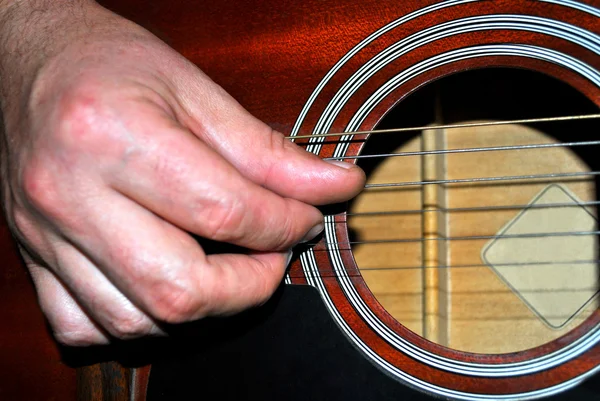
(460, 238)
(468, 180)
(450, 126)
(468, 209)
(356, 273)
(464, 209)
(474, 180)
(469, 150)
(471, 266)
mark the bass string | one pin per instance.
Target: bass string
(505, 180)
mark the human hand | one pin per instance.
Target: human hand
(114, 148)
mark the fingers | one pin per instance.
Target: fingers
(127, 282)
(99, 311)
(263, 155)
(70, 324)
(160, 268)
(193, 187)
(236, 282)
(120, 260)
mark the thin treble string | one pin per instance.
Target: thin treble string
(468, 180)
(359, 270)
(484, 179)
(476, 179)
(478, 265)
(470, 150)
(450, 126)
(460, 238)
(464, 209)
(356, 273)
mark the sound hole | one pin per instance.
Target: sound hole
(490, 266)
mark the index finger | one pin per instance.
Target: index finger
(190, 185)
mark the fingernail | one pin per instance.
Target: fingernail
(340, 164)
(288, 258)
(316, 230)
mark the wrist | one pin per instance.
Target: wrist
(12, 10)
(32, 31)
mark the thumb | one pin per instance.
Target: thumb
(264, 156)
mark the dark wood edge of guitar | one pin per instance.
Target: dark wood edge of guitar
(111, 381)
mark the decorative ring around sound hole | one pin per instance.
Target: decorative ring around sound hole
(358, 103)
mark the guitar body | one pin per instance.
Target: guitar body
(453, 287)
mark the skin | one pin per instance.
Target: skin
(114, 149)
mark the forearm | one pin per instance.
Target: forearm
(31, 31)
(27, 25)
(22, 11)
(36, 33)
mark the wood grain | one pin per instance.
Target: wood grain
(472, 309)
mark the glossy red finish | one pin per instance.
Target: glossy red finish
(271, 55)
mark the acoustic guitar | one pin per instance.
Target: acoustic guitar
(468, 267)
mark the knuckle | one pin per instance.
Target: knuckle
(280, 148)
(85, 123)
(38, 187)
(130, 326)
(25, 230)
(73, 329)
(19, 222)
(277, 142)
(223, 219)
(78, 115)
(277, 147)
(42, 197)
(177, 302)
(77, 338)
(69, 327)
(288, 232)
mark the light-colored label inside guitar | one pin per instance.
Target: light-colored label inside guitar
(547, 256)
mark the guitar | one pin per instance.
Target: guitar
(468, 268)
